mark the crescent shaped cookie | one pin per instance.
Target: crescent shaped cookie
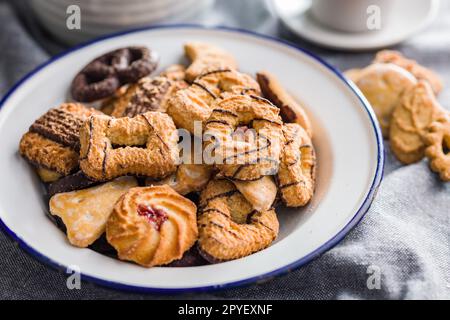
(260, 193)
(152, 226)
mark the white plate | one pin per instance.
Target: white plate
(348, 142)
(295, 14)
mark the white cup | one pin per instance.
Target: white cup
(352, 15)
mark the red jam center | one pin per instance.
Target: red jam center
(154, 215)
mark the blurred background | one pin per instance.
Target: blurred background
(419, 28)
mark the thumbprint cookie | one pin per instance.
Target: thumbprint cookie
(152, 226)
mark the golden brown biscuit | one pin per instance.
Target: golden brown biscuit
(229, 227)
(52, 142)
(353, 74)
(260, 193)
(383, 84)
(85, 212)
(188, 178)
(143, 145)
(152, 226)
(148, 94)
(290, 110)
(437, 139)
(195, 102)
(416, 111)
(255, 154)
(296, 176)
(420, 72)
(206, 57)
(174, 72)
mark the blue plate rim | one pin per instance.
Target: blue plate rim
(266, 276)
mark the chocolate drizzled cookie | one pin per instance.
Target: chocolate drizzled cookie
(59, 126)
(149, 94)
(52, 142)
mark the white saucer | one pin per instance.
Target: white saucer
(295, 14)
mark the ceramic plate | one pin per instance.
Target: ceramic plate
(346, 135)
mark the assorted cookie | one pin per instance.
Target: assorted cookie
(103, 76)
(52, 143)
(152, 226)
(403, 95)
(121, 182)
(437, 139)
(144, 145)
(383, 84)
(290, 110)
(229, 226)
(85, 212)
(416, 111)
(194, 104)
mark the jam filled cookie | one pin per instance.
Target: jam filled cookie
(256, 155)
(410, 119)
(438, 151)
(205, 57)
(152, 226)
(296, 177)
(148, 94)
(229, 227)
(52, 142)
(104, 75)
(85, 212)
(195, 102)
(418, 71)
(383, 85)
(144, 145)
(290, 110)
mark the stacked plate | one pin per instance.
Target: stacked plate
(99, 17)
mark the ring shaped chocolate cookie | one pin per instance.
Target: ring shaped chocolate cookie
(103, 76)
(244, 160)
(229, 228)
(296, 177)
(144, 145)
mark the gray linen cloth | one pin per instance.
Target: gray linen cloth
(405, 236)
